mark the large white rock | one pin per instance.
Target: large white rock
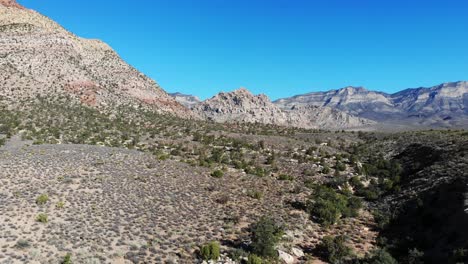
(286, 258)
(297, 252)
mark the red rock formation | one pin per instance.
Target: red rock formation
(11, 3)
(86, 90)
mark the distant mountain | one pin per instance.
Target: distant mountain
(243, 106)
(442, 105)
(40, 58)
(187, 100)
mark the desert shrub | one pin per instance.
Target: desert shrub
(327, 206)
(237, 254)
(42, 218)
(381, 219)
(415, 256)
(460, 255)
(217, 174)
(67, 259)
(340, 166)
(285, 177)
(326, 170)
(260, 172)
(60, 205)
(254, 259)
(265, 235)
(223, 199)
(379, 256)
(42, 199)
(210, 251)
(333, 249)
(22, 244)
(353, 206)
(255, 194)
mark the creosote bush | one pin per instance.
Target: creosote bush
(254, 259)
(42, 218)
(42, 199)
(334, 249)
(265, 235)
(217, 174)
(67, 259)
(210, 251)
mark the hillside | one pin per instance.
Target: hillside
(40, 58)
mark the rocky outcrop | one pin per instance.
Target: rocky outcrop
(11, 3)
(187, 100)
(242, 106)
(40, 58)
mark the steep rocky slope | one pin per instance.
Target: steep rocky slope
(442, 105)
(40, 58)
(242, 106)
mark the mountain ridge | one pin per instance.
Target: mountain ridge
(445, 101)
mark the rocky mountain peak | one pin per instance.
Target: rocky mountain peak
(11, 3)
(352, 90)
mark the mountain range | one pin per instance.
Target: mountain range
(39, 58)
(444, 105)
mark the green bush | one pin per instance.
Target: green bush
(254, 259)
(340, 166)
(217, 174)
(42, 218)
(284, 177)
(265, 235)
(210, 251)
(334, 249)
(255, 194)
(42, 199)
(327, 206)
(67, 259)
(326, 170)
(380, 256)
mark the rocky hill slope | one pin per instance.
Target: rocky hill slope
(442, 105)
(243, 106)
(40, 58)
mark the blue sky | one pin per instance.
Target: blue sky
(277, 47)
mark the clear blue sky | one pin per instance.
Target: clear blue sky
(277, 47)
